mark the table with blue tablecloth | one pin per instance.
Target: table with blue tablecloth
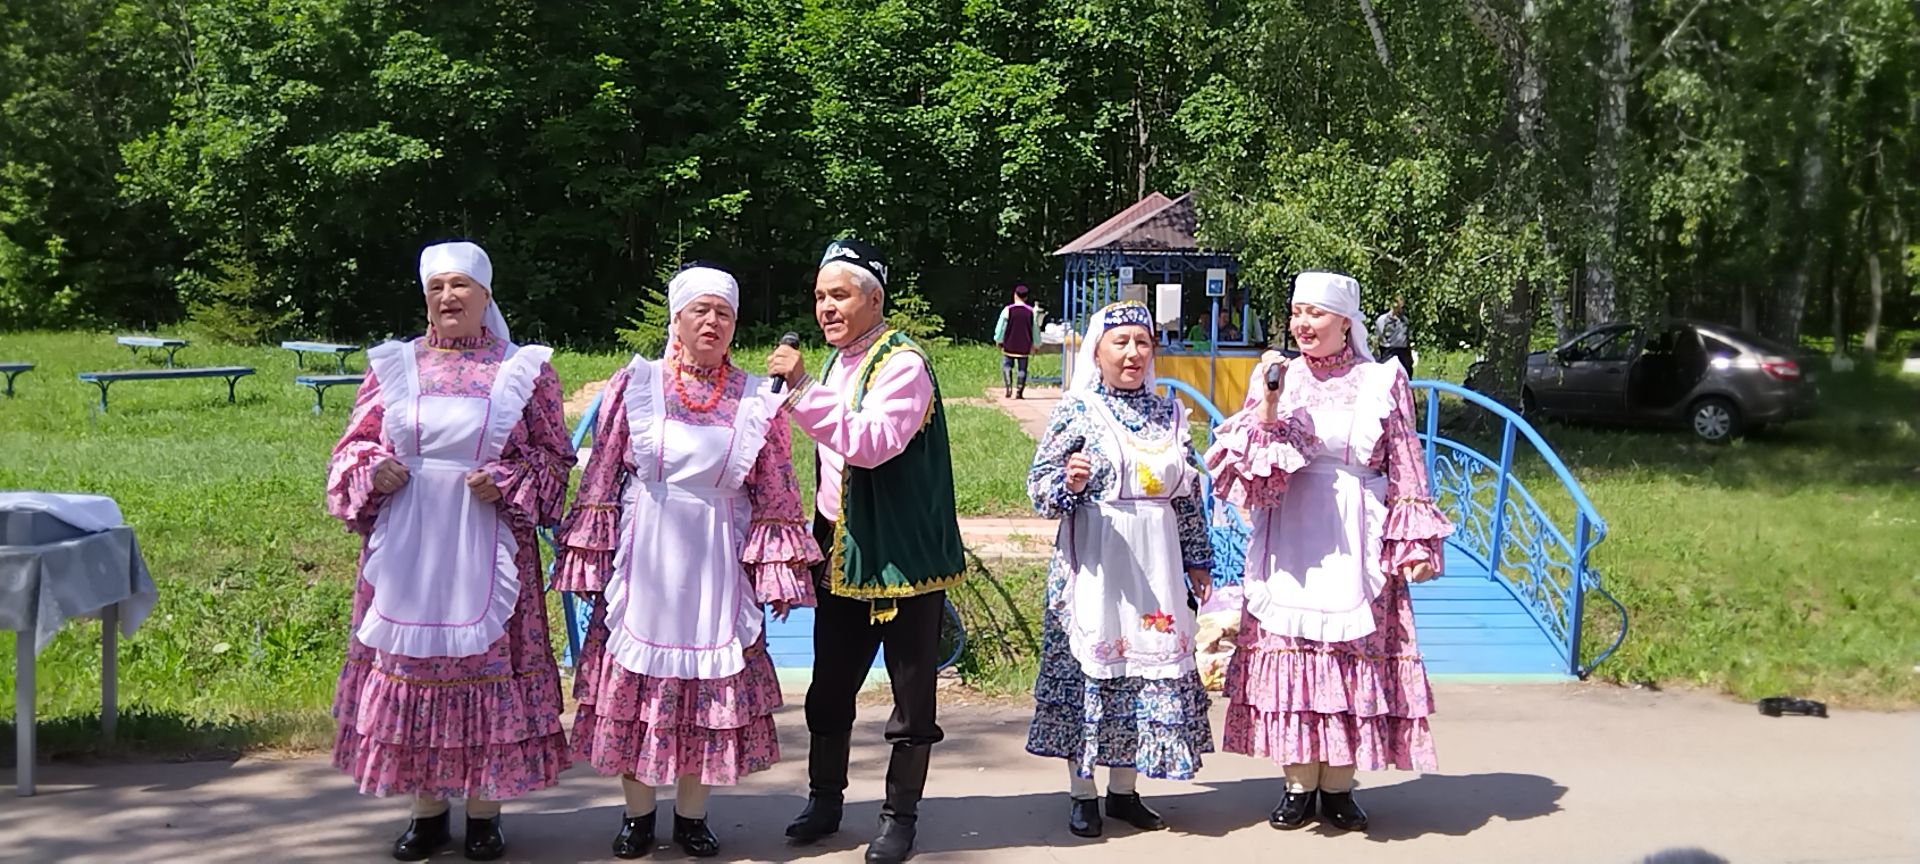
(64, 557)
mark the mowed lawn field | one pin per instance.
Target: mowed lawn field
(1780, 564)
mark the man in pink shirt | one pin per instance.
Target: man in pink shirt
(886, 521)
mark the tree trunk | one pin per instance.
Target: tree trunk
(1600, 283)
(1870, 340)
(1379, 36)
(1813, 193)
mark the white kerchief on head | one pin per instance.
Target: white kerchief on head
(1341, 296)
(460, 256)
(1086, 371)
(693, 283)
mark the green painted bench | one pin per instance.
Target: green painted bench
(339, 351)
(170, 344)
(320, 383)
(12, 371)
(103, 380)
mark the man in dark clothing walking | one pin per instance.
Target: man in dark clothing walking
(1017, 334)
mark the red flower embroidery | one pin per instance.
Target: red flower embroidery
(1159, 622)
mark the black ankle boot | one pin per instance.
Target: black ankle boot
(1342, 812)
(1084, 819)
(900, 815)
(694, 836)
(484, 840)
(1295, 811)
(826, 788)
(1130, 809)
(635, 839)
(423, 837)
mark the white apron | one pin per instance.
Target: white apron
(680, 604)
(1125, 602)
(440, 561)
(1314, 564)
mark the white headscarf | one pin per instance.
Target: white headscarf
(462, 257)
(693, 283)
(1086, 372)
(1341, 296)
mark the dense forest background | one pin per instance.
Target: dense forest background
(1515, 168)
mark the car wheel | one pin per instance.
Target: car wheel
(1715, 420)
(1529, 406)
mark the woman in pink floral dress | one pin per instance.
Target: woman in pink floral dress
(455, 450)
(687, 524)
(1326, 678)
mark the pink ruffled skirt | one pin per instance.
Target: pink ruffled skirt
(1363, 703)
(486, 726)
(658, 729)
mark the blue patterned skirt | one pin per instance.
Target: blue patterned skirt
(1158, 726)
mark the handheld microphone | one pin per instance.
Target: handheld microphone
(1273, 376)
(791, 340)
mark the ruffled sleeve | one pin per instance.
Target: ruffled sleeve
(1251, 458)
(534, 465)
(780, 550)
(1046, 478)
(351, 497)
(1415, 529)
(587, 536)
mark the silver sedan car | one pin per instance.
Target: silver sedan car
(1718, 381)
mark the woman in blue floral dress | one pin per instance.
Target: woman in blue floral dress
(1118, 684)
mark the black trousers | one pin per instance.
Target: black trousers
(1404, 355)
(844, 641)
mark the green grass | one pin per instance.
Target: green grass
(1784, 563)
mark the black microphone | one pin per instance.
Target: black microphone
(791, 340)
(1273, 376)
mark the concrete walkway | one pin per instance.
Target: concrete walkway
(1571, 773)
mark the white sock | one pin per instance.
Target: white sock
(481, 808)
(1303, 778)
(690, 797)
(1121, 781)
(640, 797)
(427, 806)
(1336, 778)
(1081, 788)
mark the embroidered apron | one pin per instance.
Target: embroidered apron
(1318, 552)
(680, 604)
(1125, 602)
(440, 561)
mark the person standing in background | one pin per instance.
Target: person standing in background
(1395, 341)
(1017, 334)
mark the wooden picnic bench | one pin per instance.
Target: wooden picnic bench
(103, 380)
(320, 383)
(339, 352)
(135, 343)
(13, 370)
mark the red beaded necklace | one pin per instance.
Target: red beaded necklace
(718, 381)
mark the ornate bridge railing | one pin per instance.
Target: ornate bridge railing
(1545, 562)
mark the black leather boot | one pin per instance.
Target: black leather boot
(826, 788)
(1084, 819)
(1130, 809)
(900, 816)
(635, 839)
(424, 836)
(484, 840)
(1295, 811)
(1342, 812)
(695, 837)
